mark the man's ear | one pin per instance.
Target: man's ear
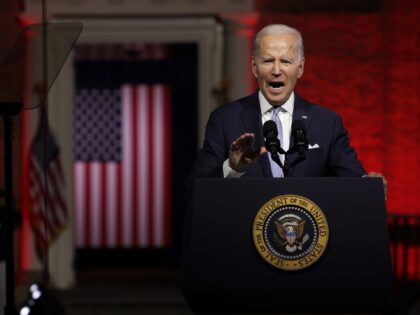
(254, 67)
(301, 67)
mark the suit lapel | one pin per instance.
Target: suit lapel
(301, 112)
(251, 118)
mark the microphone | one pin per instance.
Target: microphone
(272, 144)
(270, 133)
(299, 137)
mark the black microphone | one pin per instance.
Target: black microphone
(272, 143)
(299, 137)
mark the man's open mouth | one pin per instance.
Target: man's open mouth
(276, 85)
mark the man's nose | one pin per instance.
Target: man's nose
(276, 70)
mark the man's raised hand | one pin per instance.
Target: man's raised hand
(241, 154)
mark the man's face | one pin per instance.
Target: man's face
(277, 67)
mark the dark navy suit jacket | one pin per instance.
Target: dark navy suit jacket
(332, 156)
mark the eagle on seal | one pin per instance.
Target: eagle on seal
(290, 233)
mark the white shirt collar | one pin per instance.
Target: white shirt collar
(265, 106)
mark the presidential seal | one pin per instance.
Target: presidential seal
(290, 232)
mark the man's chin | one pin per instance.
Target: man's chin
(277, 100)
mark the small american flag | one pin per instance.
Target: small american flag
(48, 210)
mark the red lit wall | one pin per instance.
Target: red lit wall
(365, 65)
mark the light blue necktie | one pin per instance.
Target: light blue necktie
(275, 168)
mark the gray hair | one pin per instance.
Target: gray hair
(278, 29)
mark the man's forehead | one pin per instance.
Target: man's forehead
(286, 36)
(276, 44)
(286, 39)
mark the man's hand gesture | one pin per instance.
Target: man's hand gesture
(241, 154)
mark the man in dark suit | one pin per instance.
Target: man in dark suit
(234, 142)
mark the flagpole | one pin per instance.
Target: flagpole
(44, 119)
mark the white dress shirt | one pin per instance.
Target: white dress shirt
(286, 118)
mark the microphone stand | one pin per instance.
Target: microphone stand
(285, 166)
(300, 158)
(272, 144)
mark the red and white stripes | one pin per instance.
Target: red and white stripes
(127, 203)
(47, 222)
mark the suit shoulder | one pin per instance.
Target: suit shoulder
(238, 105)
(325, 111)
(320, 110)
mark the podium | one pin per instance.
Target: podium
(223, 271)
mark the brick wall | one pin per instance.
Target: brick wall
(363, 62)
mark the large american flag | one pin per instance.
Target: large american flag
(48, 209)
(122, 165)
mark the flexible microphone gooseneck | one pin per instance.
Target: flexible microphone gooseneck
(272, 144)
(300, 142)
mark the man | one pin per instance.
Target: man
(234, 142)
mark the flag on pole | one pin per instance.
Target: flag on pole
(48, 209)
(121, 172)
